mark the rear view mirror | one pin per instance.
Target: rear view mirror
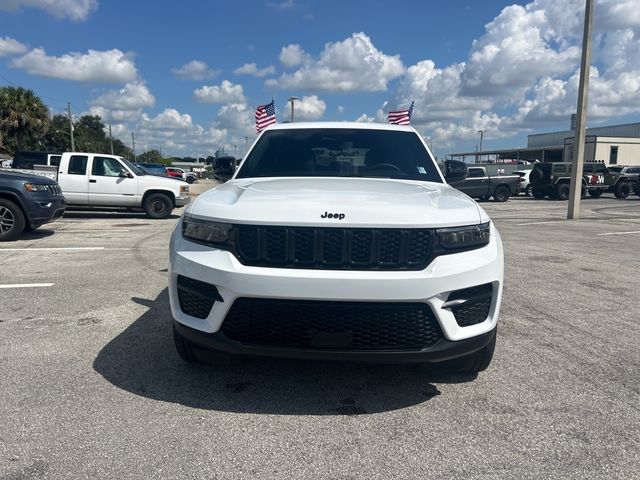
(454, 170)
(125, 174)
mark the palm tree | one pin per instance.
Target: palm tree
(24, 119)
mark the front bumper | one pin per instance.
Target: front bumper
(430, 286)
(182, 201)
(45, 209)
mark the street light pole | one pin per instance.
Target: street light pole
(73, 144)
(110, 139)
(292, 99)
(575, 191)
(133, 143)
(481, 132)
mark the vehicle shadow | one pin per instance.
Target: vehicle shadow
(36, 234)
(143, 361)
(110, 214)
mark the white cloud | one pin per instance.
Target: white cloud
(293, 55)
(10, 46)
(76, 10)
(110, 66)
(252, 69)
(340, 109)
(522, 74)
(223, 93)
(353, 64)
(195, 70)
(235, 116)
(124, 105)
(283, 5)
(309, 108)
(168, 119)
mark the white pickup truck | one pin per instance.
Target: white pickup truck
(99, 180)
(338, 241)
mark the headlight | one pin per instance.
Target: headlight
(458, 238)
(204, 231)
(35, 187)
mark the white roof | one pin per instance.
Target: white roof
(351, 125)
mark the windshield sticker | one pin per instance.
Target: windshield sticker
(421, 170)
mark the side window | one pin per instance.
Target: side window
(106, 167)
(475, 173)
(55, 160)
(561, 169)
(601, 168)
(78, 165)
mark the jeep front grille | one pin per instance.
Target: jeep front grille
(307, 324)
(333, 248)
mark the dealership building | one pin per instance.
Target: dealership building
(613, 145)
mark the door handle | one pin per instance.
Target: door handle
(92, 181)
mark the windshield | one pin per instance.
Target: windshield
(615, 169)
(132, 167)
(340, 152)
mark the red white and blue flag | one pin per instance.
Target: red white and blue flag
(400, 117)
(265, 116)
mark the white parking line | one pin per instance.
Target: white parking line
(540, 223)
(48, 249)
(617, 233)
(27, 285)
(97, 230)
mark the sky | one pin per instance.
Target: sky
(186, 77)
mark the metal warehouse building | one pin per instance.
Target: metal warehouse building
(613, 145)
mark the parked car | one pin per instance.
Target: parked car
(553, 180)
(177, 173)
(223, 168)
(27, 160)
(525, 184)
(479, 184)
(99, 180)
(27, 202)
(156, 169)
(327, 244)
(191, 177)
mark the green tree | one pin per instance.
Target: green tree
(58, 138)
(90, 136)
(151, 156)
(24, 119)
(121, 149)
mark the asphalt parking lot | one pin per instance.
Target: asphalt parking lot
(91, 386)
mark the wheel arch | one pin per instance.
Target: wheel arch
(168, 193)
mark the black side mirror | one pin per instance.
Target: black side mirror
(455, 171)
(125, 174)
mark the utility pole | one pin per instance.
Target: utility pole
(575, 191)
(246, 142)
(73, 144)
(110, 139)
(292, 99)
(481, 132)
(133, 143)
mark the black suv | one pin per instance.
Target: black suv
(553, 180)
(27, 202)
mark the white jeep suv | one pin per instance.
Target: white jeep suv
(337, 241)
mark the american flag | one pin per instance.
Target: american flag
(265, 116)
(400, 117)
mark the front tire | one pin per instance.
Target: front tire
(158, 206)
(184, 347)
(622, 190)
(12, 221)
(538, 194)
(502, 193)
(562, 191)
(595, 193)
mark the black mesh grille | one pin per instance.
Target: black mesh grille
(476, 309)
(333, 248)
(196, 297)
(331, 325)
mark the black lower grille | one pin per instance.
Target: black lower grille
(196, 297)
(331, 325)
(334, 248)
(476, 309)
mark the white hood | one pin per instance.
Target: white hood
(364, 202)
